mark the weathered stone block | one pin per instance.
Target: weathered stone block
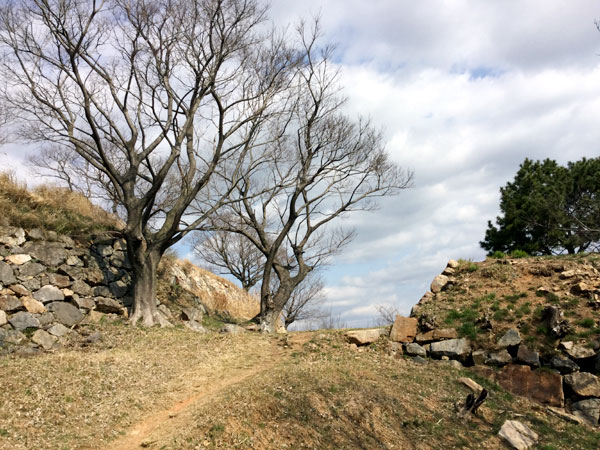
(539, 385)
(404, 329)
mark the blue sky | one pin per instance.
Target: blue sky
(463, 90)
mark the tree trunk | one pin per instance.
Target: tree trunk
(272, 307)
(144, 267)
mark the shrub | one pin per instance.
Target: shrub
(498, 255)
(588, 322)
(518, 254)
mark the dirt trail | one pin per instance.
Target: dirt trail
(160, 426)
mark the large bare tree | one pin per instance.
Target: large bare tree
(158, 97)
(321, 166)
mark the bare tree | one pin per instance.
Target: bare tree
(322, 165)
(387, 314)
(159, 97)
(231, 253)
(305, 301)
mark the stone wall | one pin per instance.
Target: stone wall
(49, 284)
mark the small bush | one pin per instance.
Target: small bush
(468, 330)
(498, 255)
(501, 314)
(518, 254)
(588, 322)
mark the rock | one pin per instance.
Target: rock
(7, 275)
(404, 329)
(588, 410)
(439, 283)
(43, 339)
(363, 337)
(49, 253)
(191, 314)
(566, 345)
(449, 271)
(66, 241)
(474, 386)
(104, 250)
(500, 358)
(414, 349)
(19, 259)
(75, 273)
(101, 291)
(552, 316)
(580, 352)
(560, 412)
(511, 337)
(73, 260)
(12, 336)
(453, 348)
(120, 259)
(93, 275)
(21, 290)
(81, 288)
(46, 319)
(230, 328)
(23, 320)
(84, 302)
(479, 357)
(564, 365)
(58, 330)
(539, 385)
(3, 318)
(65, 313)
(108, 305)
(60, 281)
(420, 360)
(165, 311)
(518, 435)
(583, 384)
(452, 363)
(32, 284)
(118, 288)
(36, 234)
(12, 236)
(527, 356)
(30, 269)
(10, 303)
(68, 293)
(195, 326)
(93, 338)
(49, 293)
(567, 274)
(426, 322)
(33, 306)
(94, 317)
(437, 335)
(453, 264)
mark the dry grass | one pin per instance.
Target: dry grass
(52, 208)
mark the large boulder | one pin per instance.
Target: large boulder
(539, 385)
(518, 435)
(363, 337)
(588, 410)
(564, 365)
(583, 384)
(439, 283)
(580, 352)
(452, 348)
(500, 358)
(511, 337)
(65, 313)
(404, 329)
(527, 356)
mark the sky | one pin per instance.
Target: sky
(464, 91)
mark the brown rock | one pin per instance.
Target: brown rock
(542, 386)
(10, 303)
(404, 329)
(33, 306)
(363, 337)
(19, 289)
(17, 260)
(60, 281)
(437, 335)
(439, 283)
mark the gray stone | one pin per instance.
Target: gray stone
(10, 303)
(31, 269)
(23, 320)
(564, 365)
(588, 410)
(118, 288)
(104, 250)
(46, 319)
(500, 358)
(439, 283)
(12, 336)
(49, 293)
(518, 435)
(191, 314)
(12, 236)
(84, 302)
(66, 241)
(510, 338)
(81, 288)
(58, 330)
(49, 253)
(420, 360)
(65, 313)
(73, 260)
(94, 338)
(101, 291)
(43, 339)
(7, 275)
(60, 281)
(108, 306)
(527, 356)
(3, 318)
(32, 284)
(195, 326)
(453, 348)
(93, 276)
(75, 273)
(414, 349)
(230, 328)
(583, 384)
(36, 234)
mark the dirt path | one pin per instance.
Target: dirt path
(160, 426)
